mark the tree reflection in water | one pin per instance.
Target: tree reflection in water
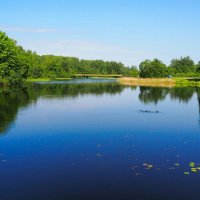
(11, 101)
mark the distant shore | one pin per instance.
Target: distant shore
(160, 82)
(46, 79)
(152, 82)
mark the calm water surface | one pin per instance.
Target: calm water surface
(74, 141)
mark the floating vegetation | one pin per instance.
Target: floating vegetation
(194, 168)
(150, 166)
(147, 166)
(192, 164)
(176, 165)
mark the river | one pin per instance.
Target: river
(96, 139)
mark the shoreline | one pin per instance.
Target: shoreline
(130, 81)
(32, 80)
(160, 82)
(153, 82)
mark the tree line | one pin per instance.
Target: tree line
(183, 67)
(17, 64)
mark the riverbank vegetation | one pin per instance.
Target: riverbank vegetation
(13, 62)
(161, 82)
(183, 67)
(17, 65)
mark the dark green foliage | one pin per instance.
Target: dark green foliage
(13, 61)
(16, 64)
(50, 66)
(183, 65)
(198, 67)
(153, 69)
(134, 72)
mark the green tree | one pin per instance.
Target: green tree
(153, 69)
(134, 72)
(198, 67)
(183, 65)
(13, 61)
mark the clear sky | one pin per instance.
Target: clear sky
(123, 30)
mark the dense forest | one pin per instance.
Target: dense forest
(17, 64)
(183, 67)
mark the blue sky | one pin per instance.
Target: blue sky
(129, 31)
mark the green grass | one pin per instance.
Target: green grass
(187, 82)
(46, 79)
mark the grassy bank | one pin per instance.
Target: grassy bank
(46, 79)
(154, 82)
(161, 82)
(195, 82)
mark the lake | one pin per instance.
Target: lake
(95, 139)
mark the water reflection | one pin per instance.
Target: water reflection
(12, 101)
(88, 141)
(152, 95)
(156, 94)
